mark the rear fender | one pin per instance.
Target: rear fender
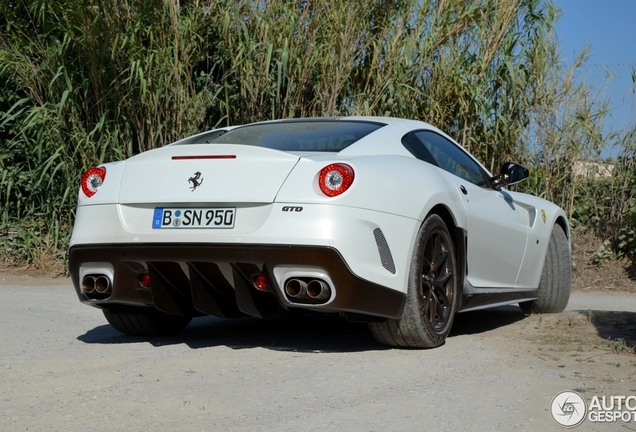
(400, 185)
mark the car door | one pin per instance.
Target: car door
(497, 228)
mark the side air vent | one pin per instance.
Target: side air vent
(383, 248)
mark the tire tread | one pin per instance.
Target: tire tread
(556, 278)
(146, 323)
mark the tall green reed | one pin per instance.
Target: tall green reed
(100, 80)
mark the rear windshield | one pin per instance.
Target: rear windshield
(303, 135)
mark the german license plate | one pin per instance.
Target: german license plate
(194, 217)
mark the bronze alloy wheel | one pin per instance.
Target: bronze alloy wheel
(438, 282)
(432, 296)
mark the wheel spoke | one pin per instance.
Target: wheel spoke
(441, 316)
(440, 281)
(437, 308)
(432, 307)
(427, 265)
(443, 257)
(443, 306)
(441, 297)
(437, 247)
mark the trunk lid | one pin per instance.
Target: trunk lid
(205, 173)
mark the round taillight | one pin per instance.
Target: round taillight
(336, 178)
(92, 180)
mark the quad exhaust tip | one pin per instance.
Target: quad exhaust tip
(307, 290)
(97, 286)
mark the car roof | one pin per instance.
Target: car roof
(394, 128)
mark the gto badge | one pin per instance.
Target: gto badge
(292, 209)
(195, 181)
(543, 215)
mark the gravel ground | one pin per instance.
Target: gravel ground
(63, 368)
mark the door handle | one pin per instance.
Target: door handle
(463, 189)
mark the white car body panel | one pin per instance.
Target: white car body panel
(253, 176)
(543, 216)
(487, 211)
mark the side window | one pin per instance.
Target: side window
(414, 145)
(451, 158)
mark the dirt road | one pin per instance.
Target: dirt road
(63, 368)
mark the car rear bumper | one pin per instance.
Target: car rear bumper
(217, 279)
(375, 246)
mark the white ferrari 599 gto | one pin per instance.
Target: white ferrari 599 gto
(374, 219)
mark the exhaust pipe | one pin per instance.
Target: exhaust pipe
(88, 284)
(318, 290)
(307, 290)
(102, 284)
(96, 286)
(296, 288)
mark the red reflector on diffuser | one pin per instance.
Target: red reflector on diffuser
(260, 282)
(144, 280)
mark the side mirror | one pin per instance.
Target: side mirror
(510, 173)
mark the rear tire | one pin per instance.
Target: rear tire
(433, 292)
(148, 322)
(556, 278)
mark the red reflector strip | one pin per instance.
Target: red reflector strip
(204, 157)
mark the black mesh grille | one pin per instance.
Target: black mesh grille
(385, 253)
